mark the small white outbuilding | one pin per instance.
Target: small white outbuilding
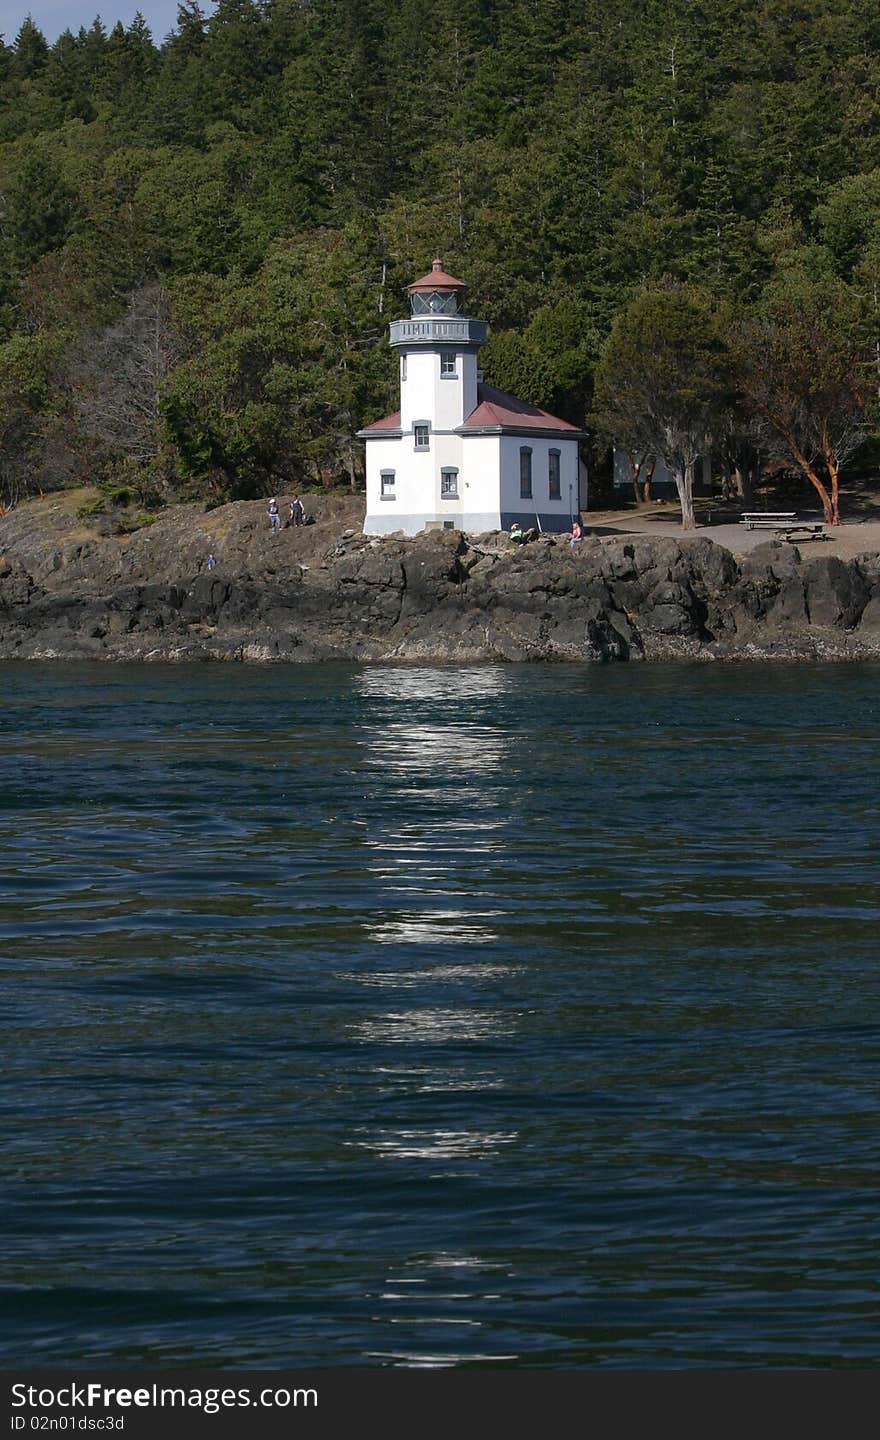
(460, 454)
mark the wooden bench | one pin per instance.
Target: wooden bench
(763, 519)
(806, 531)
(791, 529)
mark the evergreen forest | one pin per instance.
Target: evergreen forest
(667, 210)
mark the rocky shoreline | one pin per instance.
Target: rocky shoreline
(328, 593)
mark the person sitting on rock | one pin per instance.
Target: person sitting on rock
(516, 533)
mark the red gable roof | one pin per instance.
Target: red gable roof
(436, 279)
(388, 422)
(496, 408)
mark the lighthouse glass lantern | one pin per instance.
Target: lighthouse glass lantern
(436, 293)
(435, 302)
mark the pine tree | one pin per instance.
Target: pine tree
(30, 51)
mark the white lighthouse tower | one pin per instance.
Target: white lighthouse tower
(458, 453)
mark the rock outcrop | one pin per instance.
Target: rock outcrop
(327, 592)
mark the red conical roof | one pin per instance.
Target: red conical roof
(436, 279)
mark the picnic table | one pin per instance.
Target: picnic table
(783, 522)
(765, 519)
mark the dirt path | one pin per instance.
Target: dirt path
(48, 521)
(853, 537)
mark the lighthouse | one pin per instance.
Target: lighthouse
(460, 454)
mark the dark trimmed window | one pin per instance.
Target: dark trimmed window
(553, 480)
(422, 435)
(525, 473)
(449, 484)
(386, 480)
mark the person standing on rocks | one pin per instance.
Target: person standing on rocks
(297, 514)
(273, 513)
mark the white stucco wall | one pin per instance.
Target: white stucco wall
(385, 515)
(418, 474)
(480, 466)
(426, 394)
(417, 391)
(488, 483)
(554, 514)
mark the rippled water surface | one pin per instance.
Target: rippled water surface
(415, 1016)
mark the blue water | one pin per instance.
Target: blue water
(521, 1016)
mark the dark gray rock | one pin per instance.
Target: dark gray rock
(318, 593)
(868, 566)
(869, 623)
(670, 609)
(786, 609)
(609, 635)
(836, 593)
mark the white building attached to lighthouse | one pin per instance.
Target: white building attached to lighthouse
(459, 453)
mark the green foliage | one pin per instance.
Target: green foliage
(41, 206)
(121, 489)
(283, 170)
(806, 371)
(283, 366)
(116, 494)
(25, 366)
(551, 362)
(664, 383)
(31, 51)
(96, 506)
(26, 363)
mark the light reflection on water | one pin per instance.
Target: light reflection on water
(455, 749)
(447, 686)
(430, 1027)
(431, 1017)
(437, 1285)
(452, 974)
(459, 927)
(436, 1144)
